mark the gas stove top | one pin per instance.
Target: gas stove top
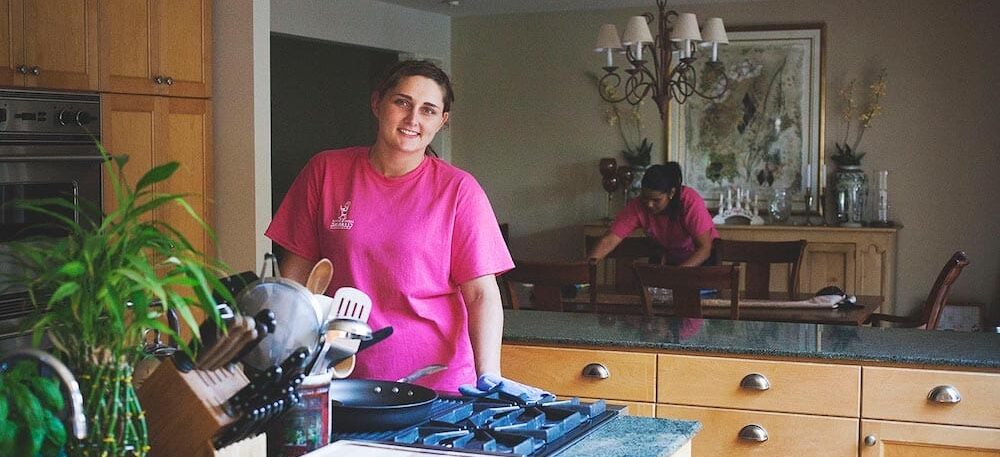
(493, 426)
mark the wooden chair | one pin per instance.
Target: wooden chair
(630, 250)
(548, 280)
(930, 313)
(757, 256)
(686, 282)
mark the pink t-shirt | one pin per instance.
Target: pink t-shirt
(408, 242)
(676, 237)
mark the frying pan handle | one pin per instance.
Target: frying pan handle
(273, 260)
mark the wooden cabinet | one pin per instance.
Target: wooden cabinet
(807, 408)
(930, 413)
(156, 47)
(155, 130)
(861, 261)
(48, 44)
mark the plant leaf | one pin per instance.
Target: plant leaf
(157, 174)
(72, 269)
(65, 290)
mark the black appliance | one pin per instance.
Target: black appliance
(47, 149)
(493, 426)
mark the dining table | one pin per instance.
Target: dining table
(777, 309)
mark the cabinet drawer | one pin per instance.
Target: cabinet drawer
(902, 394)
(561, 371)
(793, 387)
(787, 434)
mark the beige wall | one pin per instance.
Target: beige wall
(528, 122)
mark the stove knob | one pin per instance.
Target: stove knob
(83, 118)
(66, 117)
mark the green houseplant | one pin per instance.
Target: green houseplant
(103, 285)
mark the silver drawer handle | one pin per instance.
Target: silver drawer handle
(169, 81)
(753, 432)
(870, 440)
(944, 394)
(158, 79)
(755, 381)
(22, 69)
(596, 371)
(35, 70)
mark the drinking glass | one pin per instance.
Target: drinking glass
(625, 177)
(608, 166)
(781, 208)
(610, 184)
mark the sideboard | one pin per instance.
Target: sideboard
(860, 261)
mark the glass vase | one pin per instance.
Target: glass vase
(116, 425)
(852, 191)
(781, 206)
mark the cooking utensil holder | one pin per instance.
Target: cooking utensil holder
(184, 411)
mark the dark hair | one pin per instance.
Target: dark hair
(425, 68)
(663, 178)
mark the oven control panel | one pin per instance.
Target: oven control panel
(26, 114)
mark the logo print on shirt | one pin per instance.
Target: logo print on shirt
(342, 222)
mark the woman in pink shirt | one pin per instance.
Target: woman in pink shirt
(670, 213)
(415, 233)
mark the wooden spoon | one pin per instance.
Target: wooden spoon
(320, 276)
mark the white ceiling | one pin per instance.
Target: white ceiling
(492, 7)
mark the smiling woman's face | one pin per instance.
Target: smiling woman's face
(655, 201)
(410, 114)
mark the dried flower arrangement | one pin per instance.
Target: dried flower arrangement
(847, 152)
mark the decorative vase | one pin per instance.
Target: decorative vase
(852, 191)
(638, 171)
(781, 207)
(116, 425)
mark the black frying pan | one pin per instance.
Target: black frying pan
(370, 405)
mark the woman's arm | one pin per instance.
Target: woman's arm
(604, 246)
(482, 298)
(702, 250)
(295, 267)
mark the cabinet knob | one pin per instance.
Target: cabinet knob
(158, 79)
(755, 381)
(169, 81)
(596, 371)
(870, 440)
(944, 394)
(35, 70)
(22, 69)
(753, 432)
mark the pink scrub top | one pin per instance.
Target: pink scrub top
(676, 237)
(408, 242)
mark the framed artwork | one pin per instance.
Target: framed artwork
(766, 131)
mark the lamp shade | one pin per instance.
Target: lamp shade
(607, 38)
(637, 31)
(686, 28)
(714, 31)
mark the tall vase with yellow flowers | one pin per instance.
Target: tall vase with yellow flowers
(850, 181)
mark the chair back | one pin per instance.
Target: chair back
(548, 280)
(936, 300)
(630, 250)
(686, 282)
(757, 256)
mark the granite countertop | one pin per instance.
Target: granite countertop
(815, 341)
(631, 436)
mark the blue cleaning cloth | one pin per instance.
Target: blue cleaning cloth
(489, 384)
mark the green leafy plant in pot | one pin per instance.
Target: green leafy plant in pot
(103, 285)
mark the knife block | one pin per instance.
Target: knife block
(184, 410)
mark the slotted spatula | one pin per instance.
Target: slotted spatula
(351, 303)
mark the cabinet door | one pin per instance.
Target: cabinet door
(127, 51)
(11, 42)
(904, 439)
(128, 127)
(60, 44)
(185, 126)
(183, 46)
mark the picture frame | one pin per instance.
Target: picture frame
(767, 130)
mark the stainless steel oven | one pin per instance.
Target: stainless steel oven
(47, 149)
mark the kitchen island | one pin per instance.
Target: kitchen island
(803, 389)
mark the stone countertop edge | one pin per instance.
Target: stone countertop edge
(846, 343)
(632, 436)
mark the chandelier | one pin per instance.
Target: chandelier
(663, 79)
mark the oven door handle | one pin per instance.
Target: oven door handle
(52, 158)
